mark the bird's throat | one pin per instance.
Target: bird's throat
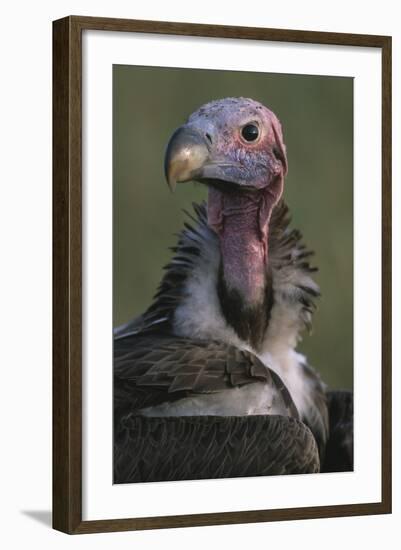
(241, 220)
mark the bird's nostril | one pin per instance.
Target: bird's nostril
(209, 138)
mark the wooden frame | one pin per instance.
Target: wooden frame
(67, 278)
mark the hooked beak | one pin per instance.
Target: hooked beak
(186, 155)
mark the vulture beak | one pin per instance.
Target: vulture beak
(186, 155)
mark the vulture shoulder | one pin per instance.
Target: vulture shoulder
(158, 373)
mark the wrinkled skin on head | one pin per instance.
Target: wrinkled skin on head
(254, 164)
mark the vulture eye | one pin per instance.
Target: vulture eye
(250, 132)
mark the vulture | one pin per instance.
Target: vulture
(208, 381)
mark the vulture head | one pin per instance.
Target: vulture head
(235, 146)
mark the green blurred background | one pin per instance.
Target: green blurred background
(317, 117)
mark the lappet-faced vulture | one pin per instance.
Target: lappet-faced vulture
(208, 382)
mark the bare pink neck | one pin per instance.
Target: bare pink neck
(243, 243)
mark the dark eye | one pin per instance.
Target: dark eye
(250, 132)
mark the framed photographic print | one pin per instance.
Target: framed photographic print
(221, 353)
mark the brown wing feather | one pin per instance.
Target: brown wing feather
(162, 449)
(149, 370)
